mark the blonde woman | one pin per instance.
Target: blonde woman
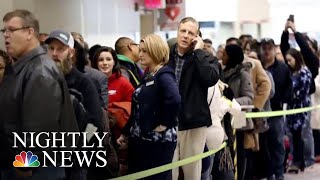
(151, 129)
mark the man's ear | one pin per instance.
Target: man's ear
(72, 52)
(129, 47)
(31, 33)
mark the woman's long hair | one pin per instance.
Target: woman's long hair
(116, 67)
(298, 58)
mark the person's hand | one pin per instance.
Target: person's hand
(292, 26)
(160, 128)
(122, 141)
(286, 27)
(198, 43)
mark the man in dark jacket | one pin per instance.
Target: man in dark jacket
(194, 76)
(283, 93)
(61, 50)
(33, 97)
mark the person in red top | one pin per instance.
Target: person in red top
(119, 92)
(119, 88)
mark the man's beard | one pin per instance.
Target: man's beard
(65, 65)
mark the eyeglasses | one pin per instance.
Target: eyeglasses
(11, 30)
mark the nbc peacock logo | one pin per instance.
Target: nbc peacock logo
(26, 160)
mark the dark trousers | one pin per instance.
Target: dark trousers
(143, 155)
(275, 146)
(316, 138)
(298, 158)
(244, 158)
(261, 159)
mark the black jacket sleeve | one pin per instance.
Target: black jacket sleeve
(91, 103)
(311, 60)
(126, 129)
(171, 99)
(209, 74)
(288, 92)
(284, 44)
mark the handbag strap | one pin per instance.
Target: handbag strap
(214, 88)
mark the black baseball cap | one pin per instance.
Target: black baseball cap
(265, 41)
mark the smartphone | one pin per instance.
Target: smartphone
(291, 18)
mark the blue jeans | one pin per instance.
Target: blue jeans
(275, 141)
(49, 173)
(207, 164)
(307, 137)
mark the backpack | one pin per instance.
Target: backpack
(79, 110)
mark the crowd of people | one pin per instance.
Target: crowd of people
(160, 101)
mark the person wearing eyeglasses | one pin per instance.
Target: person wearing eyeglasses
(128, 55)
(31, 97)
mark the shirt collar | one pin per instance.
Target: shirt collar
(21, 62)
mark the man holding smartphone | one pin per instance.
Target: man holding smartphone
(195, 72)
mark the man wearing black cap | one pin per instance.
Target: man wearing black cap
(61, 50)
(33, 98)
(283, 94)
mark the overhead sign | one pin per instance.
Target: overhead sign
(172, 15)
(154, 4)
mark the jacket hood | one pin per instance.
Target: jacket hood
(247, 65)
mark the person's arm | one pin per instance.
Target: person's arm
(126, 129)
(246, 89)
(287, 92)
(103, 80)
(209, 74)
(284, 44)
(91, 103)
(311, 60)
(171, 99)
(41, 108)
(272, 91)
(263, 86)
